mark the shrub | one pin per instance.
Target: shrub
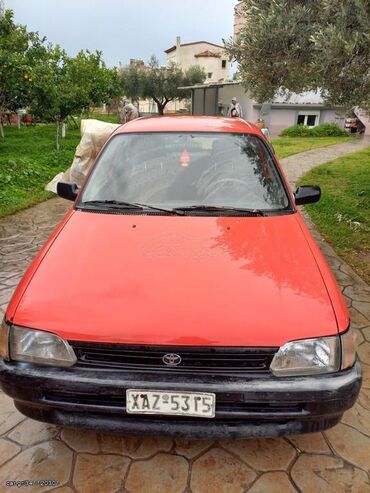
(324, 130)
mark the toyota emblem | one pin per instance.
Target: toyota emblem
(171, 359)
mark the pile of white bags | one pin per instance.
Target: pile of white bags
(94, 134)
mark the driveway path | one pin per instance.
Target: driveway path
(83, 462)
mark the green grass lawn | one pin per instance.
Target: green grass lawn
(287, 146)
(28, 160)
(343, 213)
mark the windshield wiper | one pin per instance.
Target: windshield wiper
(176, 211)
(117, 204)
(215, 208)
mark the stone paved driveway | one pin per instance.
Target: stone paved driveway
(83, 462)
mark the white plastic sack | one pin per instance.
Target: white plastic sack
(94, 134)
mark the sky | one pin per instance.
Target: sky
(125, 29)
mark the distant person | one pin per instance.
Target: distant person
(130, 112)
(235, 110)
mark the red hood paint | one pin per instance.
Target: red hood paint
(170, 280)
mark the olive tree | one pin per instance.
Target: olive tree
(159, 83)
(295, 45)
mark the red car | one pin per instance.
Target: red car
(182, 294)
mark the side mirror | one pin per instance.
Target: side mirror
(307, 194)
(67, 190)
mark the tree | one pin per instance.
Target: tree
(159, 83)
(63, 85)
(295, 45)
(19, 51)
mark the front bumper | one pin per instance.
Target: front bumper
(246, 406)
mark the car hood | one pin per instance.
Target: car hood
(170, 280)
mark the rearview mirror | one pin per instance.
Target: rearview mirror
(67, 190)
(307, 194)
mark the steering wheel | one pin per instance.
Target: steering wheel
(217, 184)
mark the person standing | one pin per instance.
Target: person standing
(130, 112)
(235, 110)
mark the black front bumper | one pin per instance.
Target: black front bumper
(246, 406)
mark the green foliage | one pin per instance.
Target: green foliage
(296, 45)
(159, 83)
(65, 86)
(343, 213)
(323, 130)
(19, 50)
(44, 78)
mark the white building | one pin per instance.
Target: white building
(209, 56)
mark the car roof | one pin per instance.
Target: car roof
(189, 124)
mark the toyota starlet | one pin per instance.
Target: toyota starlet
(182, 294)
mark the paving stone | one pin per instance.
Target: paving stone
(7, 450)
(51, 460)
(358, 417)
(273, 482)
(263, 454)
(364, 399)
(30, 432)
(64, 489)
(358, 292)
(191, 448)
(342, 278)
(366, 376)
(313, 443)
(99, 473)
(324, 474)
(366, 333)
(9, 416)
(218, 471)
(350, 444)
(135, 447)
(81, 440)
(359, 336)
(364, 352)
(164, 473)
(363, 307)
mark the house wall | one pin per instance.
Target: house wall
(184, 56)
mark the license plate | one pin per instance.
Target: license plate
(198, 404)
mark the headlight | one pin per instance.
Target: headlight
(36, 346)
(348, 349)
(4, 340)
(307, 357)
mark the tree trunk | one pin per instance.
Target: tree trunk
(57, 143)
(64, 130)
(1, 125)
(161, 108)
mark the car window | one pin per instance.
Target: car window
(184, 169)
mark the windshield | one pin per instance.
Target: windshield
(173, 170)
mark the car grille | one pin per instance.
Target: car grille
(208, 360)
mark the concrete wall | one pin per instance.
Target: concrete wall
(225, 95)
